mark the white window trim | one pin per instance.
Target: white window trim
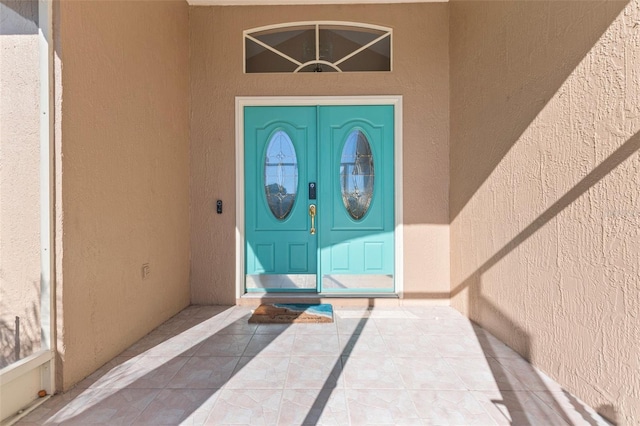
(394, 100)
(41, 362)
(247, 34)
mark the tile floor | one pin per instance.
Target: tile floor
(395, 366)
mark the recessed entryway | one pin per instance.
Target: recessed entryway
(318, 199)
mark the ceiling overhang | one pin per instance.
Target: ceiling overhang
(300, 2)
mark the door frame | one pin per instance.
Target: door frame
(394, 100)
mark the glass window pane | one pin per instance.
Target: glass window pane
(356, 174)
(337, 42)
(375, 58)
(260, 59)
(280, 175)
(298, 43)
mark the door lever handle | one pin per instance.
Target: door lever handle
(312, 213)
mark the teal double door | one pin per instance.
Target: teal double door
(319, 199)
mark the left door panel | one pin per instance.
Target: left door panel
(280, 162)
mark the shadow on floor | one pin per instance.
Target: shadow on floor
(176, 374)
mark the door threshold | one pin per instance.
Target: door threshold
(341, 299)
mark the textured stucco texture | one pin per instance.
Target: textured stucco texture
(545, 188)
(19, 182)
(421, 76)
(122, 141)
(521, 170)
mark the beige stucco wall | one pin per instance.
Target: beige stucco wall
(122, 136)
(421, 75)
(19, 181)
(545, 188)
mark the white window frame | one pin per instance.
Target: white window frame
(387, 32)
(21, 380)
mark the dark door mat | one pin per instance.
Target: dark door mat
(289, 313)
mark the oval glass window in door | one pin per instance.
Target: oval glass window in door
(356, 174)
(280, 175)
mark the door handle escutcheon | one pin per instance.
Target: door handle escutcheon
(312, 213)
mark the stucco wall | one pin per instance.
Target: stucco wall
(421, 75)
(545, 188)
(19, 181)
(122, 136)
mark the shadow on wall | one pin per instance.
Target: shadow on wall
(481, 307)
(515, 77)
(19, 335)
(522, 53)
(18, 17)
(621, 154)
(608, 411)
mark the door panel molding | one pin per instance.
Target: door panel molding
(374, 125)
(244, 101)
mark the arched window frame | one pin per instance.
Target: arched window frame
(355, 26)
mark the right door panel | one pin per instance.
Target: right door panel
(356, 199)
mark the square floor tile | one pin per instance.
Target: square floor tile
(571, 409)
(144, 344)
(363, 345)
(371, 373)
(270, 345)
(174, 406)
(152, 372)
(208, 328)
(442, 326)
(177, 325)
(449, 345)
(450, 408)
(181, 345)
(405, 345)
(314, 372)
(111, 407)
(316, 329)
(517, 408)
(246, 407)
(414, 365)
(479, 373)
(313, 407)
(224, 345)
(351, 326)
(492, 346)
(204, 373)
(275, 329)
(259, 373)
(532, 378)
(62, 407)
(399, 326)
(316, 344)
(110, 372)
(238, 327)
(204, 311)
(382, 406)
(141, 372)
(428, 373)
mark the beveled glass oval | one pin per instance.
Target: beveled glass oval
(280, 175)
(356, 174)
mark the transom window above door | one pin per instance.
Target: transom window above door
(321, 46)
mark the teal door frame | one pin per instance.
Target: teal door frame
(242, 102)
